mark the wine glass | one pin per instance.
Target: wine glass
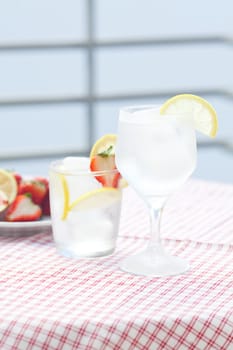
(156, 154)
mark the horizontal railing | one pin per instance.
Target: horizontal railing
(95, 44)
(55, 152)
(72, 99)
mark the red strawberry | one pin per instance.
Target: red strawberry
(45, 205)
(18, 178)
(43, 180)
(104, 161)
(23, 209)
(37, 190)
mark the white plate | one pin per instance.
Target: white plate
(26, 228)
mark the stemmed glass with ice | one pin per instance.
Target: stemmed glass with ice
(156, 154)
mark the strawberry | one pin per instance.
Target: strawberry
(105, 161)
(43, 180)
(23, 209)
(103, 158)
(18, 178)
(37, 190)
(45, 205)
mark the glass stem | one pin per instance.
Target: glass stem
(155, 220)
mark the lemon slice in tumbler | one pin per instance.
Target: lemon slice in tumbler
(61, 192)
(99, 198)
(66, 195)
(8, 185)
(203, 114)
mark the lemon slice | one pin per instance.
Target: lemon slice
(106, 144)
(8, 185)
(203, 114)
(60, 188)
(103, 144)
(99, 198)
(66, 195)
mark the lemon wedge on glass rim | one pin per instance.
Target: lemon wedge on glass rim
(201, 111)
(103, 143)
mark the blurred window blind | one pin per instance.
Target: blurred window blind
(66, 66)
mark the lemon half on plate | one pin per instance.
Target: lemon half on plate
(201, 111)
(8, 185)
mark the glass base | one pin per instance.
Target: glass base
(154, 261)
(82, 255)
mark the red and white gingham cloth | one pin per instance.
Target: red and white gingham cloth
(51, 302)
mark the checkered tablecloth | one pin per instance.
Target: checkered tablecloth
(51, 302)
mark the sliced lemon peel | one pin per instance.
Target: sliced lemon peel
(66, 196)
